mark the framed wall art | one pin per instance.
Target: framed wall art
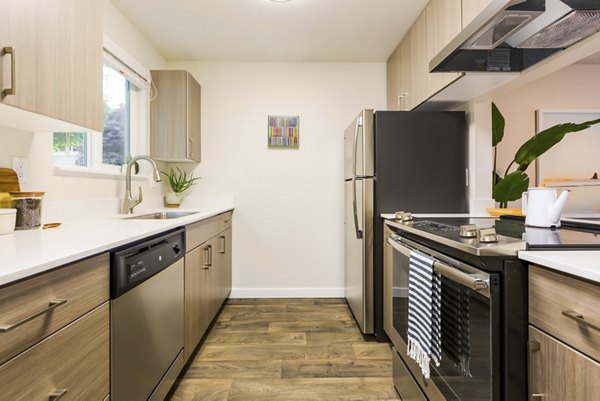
(283, 132)
(573, 162)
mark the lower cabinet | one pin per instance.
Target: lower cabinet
(196, 298)
(207, 277)
(564, 337)
(74, 361)
(558, 372)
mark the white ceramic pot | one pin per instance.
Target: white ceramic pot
(173, 199)
(8, 218)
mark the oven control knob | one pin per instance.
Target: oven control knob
(406, 217)
(488, 235)
(468, 231)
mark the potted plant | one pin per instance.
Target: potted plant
(510, 185)
(178, 181)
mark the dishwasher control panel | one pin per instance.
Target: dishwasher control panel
(132, 264)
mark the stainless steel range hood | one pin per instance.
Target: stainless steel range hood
(512, 35)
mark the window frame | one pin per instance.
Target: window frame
(139, 115)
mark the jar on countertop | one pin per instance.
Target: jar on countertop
(29, 209)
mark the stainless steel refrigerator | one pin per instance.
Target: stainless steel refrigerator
(395, 160)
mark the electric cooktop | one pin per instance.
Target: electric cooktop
(502, 236)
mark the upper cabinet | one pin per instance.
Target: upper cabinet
(409, 81)
(443, 24)
(471, 8)
(51, 62)
(175, 117)
(406, 68)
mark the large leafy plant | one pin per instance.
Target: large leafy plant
(511, 185)
(179, 181)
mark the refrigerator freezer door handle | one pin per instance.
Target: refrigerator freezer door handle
(358, 124)
(359, 233)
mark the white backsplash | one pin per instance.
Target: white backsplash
(83, 210)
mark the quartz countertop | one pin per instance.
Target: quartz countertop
(29, 252)
(584, 264)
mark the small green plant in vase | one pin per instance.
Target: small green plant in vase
(179, 182)
(511, 185)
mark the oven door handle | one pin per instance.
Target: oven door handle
(471, 281)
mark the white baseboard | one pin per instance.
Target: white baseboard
(287, 293)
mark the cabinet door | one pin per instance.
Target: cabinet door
(57, 59)
(558, 372)
(73, 361)
(471, 8)
(193, 119)
(225, 254)
(443, 24)
(419, 66)
(392, 77)
(214, 278)
(195, 297)
(175, 117)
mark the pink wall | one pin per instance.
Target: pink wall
(572, 88)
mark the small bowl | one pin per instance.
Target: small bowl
(8, 218)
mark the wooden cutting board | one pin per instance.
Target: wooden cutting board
(9, 182)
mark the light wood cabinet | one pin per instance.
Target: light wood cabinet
(56, 66)
(75, 360)
(207, 276)
(443, 24)
(559, 372)
(419, 64)
(195, 298)
(54, 334)
(564, 336)
(225, 252)
(403, 69)
(55, 298)
(471, 8)
(175, 117)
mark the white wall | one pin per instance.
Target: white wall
(575, 87)
(37, 147)
(288, 220)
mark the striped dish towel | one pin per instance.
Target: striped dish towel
(424, 312)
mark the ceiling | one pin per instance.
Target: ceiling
(262, 30)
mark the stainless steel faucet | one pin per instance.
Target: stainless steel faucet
(129, 202)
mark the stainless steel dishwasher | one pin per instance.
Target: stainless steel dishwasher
(147, 317)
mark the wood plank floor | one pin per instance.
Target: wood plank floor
(287, 349)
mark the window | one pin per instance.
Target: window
(125, 114)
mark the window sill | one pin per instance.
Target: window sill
(72, 171)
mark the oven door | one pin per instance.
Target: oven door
(470, 366)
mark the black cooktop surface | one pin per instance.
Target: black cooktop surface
(512, 231)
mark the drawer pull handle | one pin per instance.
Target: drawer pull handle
(57, 394)
(532, 346)
(51, 305)
(578, 317)
(10, 50)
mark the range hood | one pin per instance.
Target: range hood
(512, 35)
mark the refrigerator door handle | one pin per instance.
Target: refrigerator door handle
(356, 129)
(359, 233)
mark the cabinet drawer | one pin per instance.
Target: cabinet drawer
(198, 233)
(75, 359)
(560, 373)
(555, 300)
(83, 285)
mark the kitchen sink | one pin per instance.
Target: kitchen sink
(161, 215)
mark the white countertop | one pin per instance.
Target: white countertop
(584, 264)
(433, 215)
(28, 252)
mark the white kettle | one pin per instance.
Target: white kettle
(542, 207)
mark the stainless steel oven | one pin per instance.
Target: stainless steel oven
(478, 348)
